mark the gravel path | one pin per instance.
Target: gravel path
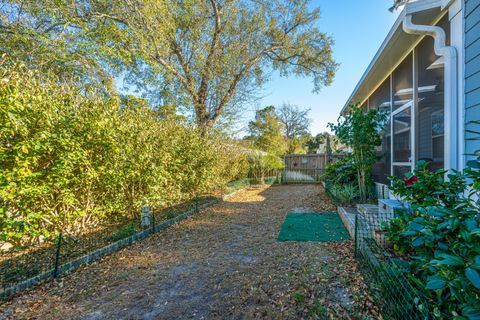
(224, 263)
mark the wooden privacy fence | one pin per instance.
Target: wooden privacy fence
(306, 168)
(298, 168)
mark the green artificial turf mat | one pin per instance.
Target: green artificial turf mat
(321, 227)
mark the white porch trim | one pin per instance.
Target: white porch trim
(451, 83)
(457, 38)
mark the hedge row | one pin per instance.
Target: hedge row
(72, 158)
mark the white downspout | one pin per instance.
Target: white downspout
(451, 85)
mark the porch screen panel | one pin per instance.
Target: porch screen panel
(380, 100)
(400, 171)
(402, 79)
(430, 115)
(401, 136)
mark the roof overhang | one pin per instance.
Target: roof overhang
(396, 46)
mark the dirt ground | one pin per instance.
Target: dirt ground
(224, 263)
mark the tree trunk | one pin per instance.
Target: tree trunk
(328, 151)
(204, 121)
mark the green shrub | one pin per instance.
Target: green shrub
(71, 160)
(127, 230)
(360, 130)
(170, 215)
(342, 171)
(344, 194)
(426, 188)
(440, 232)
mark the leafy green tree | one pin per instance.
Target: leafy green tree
(313, 143)
(360, 131)
(295, 145)
(43, 37)
(261, 163)
(206, 55)
(267, 132)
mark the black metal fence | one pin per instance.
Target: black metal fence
(386, 275)
(22, 267)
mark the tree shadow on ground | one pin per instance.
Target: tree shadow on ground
(224, 263)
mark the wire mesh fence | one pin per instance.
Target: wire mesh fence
(386, 275)
(23, 266)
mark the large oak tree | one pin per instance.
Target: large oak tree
(206, 54)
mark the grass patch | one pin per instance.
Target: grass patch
(321, 227)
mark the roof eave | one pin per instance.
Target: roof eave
(390, 44)
(395, 27)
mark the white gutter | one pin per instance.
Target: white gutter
(451, 84)
(410, 7)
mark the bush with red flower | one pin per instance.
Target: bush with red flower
(428, 188)
(439, 232)
(410, 181)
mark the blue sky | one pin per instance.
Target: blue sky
(358, 28)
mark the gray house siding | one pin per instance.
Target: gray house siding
(472, 76)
